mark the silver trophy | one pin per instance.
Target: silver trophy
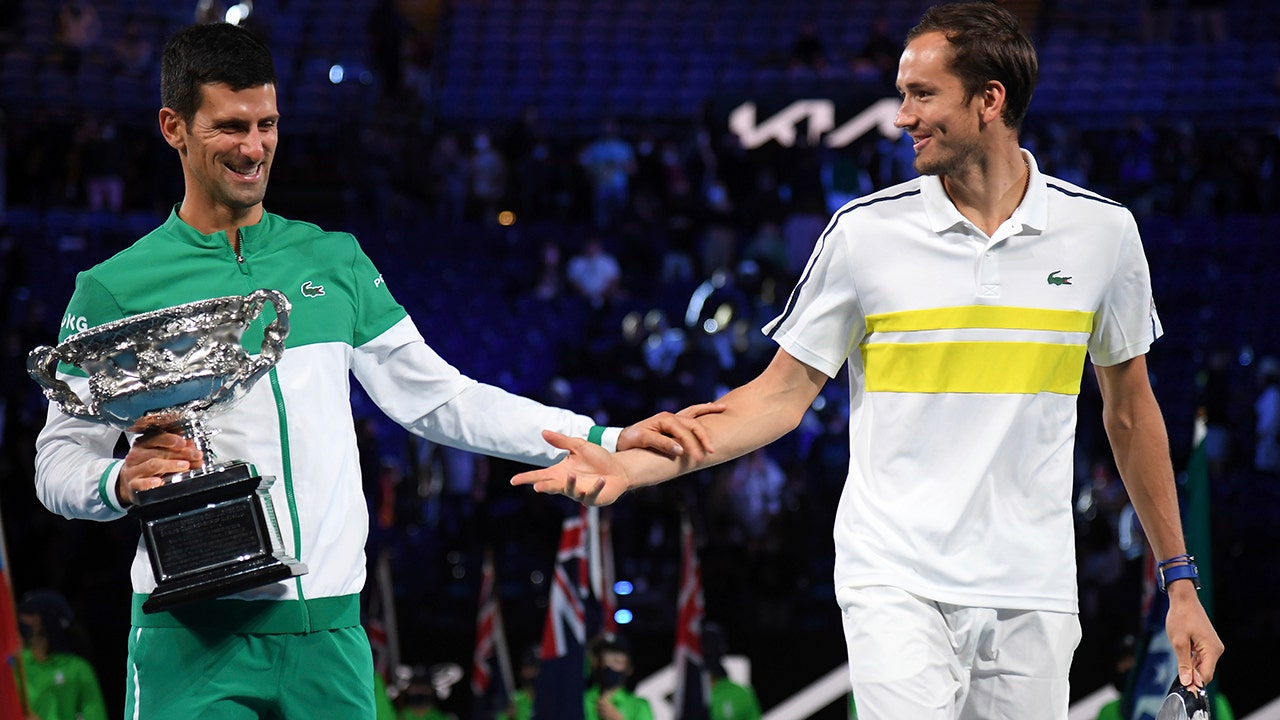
(210, 531)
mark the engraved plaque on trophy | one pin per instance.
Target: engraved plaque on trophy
(210, 531)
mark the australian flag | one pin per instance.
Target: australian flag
(561, 680)
(491, 678)
(693, 691)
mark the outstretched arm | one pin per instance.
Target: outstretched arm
(1141, 447)
(753, 415)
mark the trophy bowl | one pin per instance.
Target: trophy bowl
(210, 531)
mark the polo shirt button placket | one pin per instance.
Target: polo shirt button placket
(989, 274)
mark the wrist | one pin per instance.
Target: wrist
(1178, 567)
(605, 437)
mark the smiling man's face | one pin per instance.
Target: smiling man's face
(229, 144)
(943, 124)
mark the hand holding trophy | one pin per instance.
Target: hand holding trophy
(212, 530)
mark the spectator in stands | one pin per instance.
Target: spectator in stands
(594, 273)
(729, 700)
(133, 50)
(77, 33)
(878, 59)
(1266, 457)
(609, 162)
(205, 659)
(449, 176)
(210, 11)
(608, 696)
(103, 160)
(526, 685)
(808, 52)
(955, 523)
(756, 484)
(61, 684)
(1214, 404)
(488, 178)
(549, 277)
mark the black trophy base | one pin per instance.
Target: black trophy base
(211, 533)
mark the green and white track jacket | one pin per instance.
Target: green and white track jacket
(296, 423)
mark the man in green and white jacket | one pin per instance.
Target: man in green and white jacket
(294, 648)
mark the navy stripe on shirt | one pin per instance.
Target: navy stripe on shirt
(1086, 196)
(795, 294)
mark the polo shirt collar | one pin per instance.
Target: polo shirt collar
(179, 228)
(1031, 214)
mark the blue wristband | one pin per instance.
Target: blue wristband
(1180, 567)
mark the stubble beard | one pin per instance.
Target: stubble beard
(951, 161)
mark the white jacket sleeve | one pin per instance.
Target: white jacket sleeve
(417, 388)
(76, 473)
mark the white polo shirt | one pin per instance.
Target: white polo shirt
(965, 356)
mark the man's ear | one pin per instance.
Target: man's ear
(173, 128)
(993, 96)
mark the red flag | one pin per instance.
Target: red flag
(13, 695)
(491, 677)
(693, 691)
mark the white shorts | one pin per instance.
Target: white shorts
(914, 658)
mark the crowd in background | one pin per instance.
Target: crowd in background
(623, 271)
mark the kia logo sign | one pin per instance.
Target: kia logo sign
(819, 118)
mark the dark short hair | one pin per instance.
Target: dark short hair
(986, 44)
(211, 53)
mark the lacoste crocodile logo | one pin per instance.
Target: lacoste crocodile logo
(309, 290)
(1055, 279)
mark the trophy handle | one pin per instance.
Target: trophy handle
(272, 336)
(41, 365)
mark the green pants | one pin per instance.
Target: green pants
(183, 673)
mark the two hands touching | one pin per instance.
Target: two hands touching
(156, 455)
(591, 475)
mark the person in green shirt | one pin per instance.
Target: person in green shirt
(607, 697)
(729, 700)
(521, 707)
(60, 684)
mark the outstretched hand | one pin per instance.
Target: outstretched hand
(672, 434)
(590, 474)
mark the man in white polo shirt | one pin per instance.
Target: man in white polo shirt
(964, 303)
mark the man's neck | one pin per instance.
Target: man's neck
(39, 649)
(219, 218)
(991, 189)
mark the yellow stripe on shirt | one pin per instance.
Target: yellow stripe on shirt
(981, 316)
(1024, 368)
